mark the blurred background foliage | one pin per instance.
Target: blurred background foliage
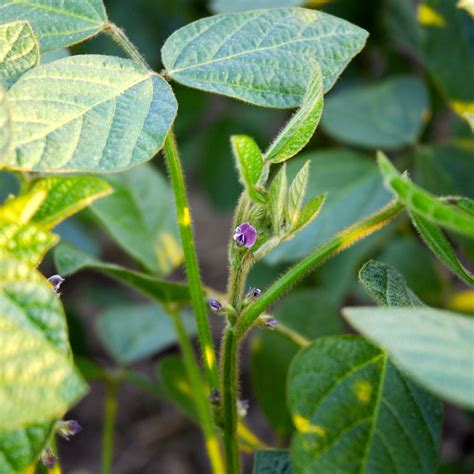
(407, 93)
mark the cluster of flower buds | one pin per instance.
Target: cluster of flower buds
(56, 281)
(245, 235)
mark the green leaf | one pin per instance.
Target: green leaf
(309, 212)
(446, 169)
(39, 382)
(402, 26)
(264, 57)
(225, 6)
(354, 190)
(5, 124)
(21, 448)
(388, 114)
(432, 346)
(249, 160)
(434, 238)
(174, 379)
(296, 194)
(67, 196)
(277, 199)
(69, 260)
(423, 203)
(134, 332)
(387, 286)
(57, 24)
(412, 259)
(140, 217)
(28, 243)
(272, 461)
(88, 113)
(356, 412)
(301, 127)
(311, 313)
(452, 70)
(19, 51)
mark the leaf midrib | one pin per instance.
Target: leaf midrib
(257, 50)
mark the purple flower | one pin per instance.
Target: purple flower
(48, 458)
(268, 321)
(214, 304)
(245, 235)
(68, 428)
(215, 396)
(56, 281)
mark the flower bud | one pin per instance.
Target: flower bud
(215, 305)
(48, 458)
(242, 408)
(215, 396)
(267, 321)
(69, 428)
(253, 293)
(56, 281)
(245, 235)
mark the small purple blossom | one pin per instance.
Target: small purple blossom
(253, 292)
(69, 428)
(268, 322)
(48, 458)
(214, 304)
(215, 396)
(56, 281)
(245, 235)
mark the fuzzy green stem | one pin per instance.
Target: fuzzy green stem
(229, 364)
(109, 426)
(119, 36)
(175, 171)
(335, 245)
(202, 404)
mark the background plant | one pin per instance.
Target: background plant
(346, 399)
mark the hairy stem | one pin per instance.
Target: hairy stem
(199, 391)
(229, 365)
(109, 426)
(175, 171)
(332, 247)
(119, 36)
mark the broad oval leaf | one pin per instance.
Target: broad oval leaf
(19, 51)
(140, 217)
(271, 351)
(88, 113)
(227, 6)
(299, 130)
(67, 196)
(39, 382)
(356, 412)
(57, 24)
(70, 260)
(264, 57)
(354, 190)
(389, 114)
(134, 332)
(435, 239)
(452, 69)
(433, 346)
(5, 124)
(423, 203)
